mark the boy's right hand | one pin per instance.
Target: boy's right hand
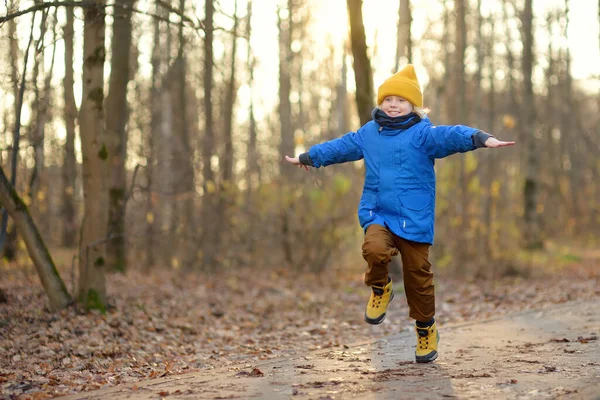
(296, 161)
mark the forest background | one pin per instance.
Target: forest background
(146, 139)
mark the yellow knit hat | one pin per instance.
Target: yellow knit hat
(403, 83)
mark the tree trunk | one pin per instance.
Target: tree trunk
(488, 203)
(116, 121)
(441, 106)
(576, 180)
(252, 166)
(54, 287)
(8, 238)
(286, 146)
(341, 114)
(363, 74)
(187, 246)
(532, 232)
(490, 199)
(209, 200)
(458, 116)
(227, 182)
(36, 128)
(37, 182)
(404, 41)
(69, 168)
(482, 229)
(95, 155)
(228, 109)
(152, 159)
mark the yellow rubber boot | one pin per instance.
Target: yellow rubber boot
(427, 343)
(378, 303)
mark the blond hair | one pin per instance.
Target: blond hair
(421, 111)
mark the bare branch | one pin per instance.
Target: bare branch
(91, 3)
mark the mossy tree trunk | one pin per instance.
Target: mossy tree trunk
(53, 285)
(116, 119)
(95, 156)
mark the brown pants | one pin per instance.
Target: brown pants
(378, 249)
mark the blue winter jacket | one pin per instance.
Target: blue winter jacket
(399, 187)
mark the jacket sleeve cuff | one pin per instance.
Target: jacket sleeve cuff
(479, 138)
(305, 159)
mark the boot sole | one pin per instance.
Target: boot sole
(424, 360)
(378, 320)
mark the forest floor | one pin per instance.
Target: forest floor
(530, 355)
(298, 333)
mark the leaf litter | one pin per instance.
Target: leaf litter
(166, 323)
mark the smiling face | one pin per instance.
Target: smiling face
(396, 106)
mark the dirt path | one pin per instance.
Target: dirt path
(552, 353)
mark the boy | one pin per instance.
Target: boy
(399, 147)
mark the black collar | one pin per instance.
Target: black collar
(402, 122)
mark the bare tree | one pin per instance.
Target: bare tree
(42, 112)
(404, 40)
(253, 176)
(576, 155)
(363, 74)
(458, 114)
(152, 221)
(285, 27)
(209, 200)
(341, 100)
(229, 99)
(489, 200)
(186, 244)
(95, 155)
(8, 238)
(116, 121)
(532, 232)
(69, 168)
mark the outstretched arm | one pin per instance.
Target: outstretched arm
(336, 151)
(444, 140)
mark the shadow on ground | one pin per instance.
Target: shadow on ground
(549, 353)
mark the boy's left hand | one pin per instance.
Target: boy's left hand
(493, 142)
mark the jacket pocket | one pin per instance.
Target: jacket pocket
(366, 208)
(366, 214)
(416, 213)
